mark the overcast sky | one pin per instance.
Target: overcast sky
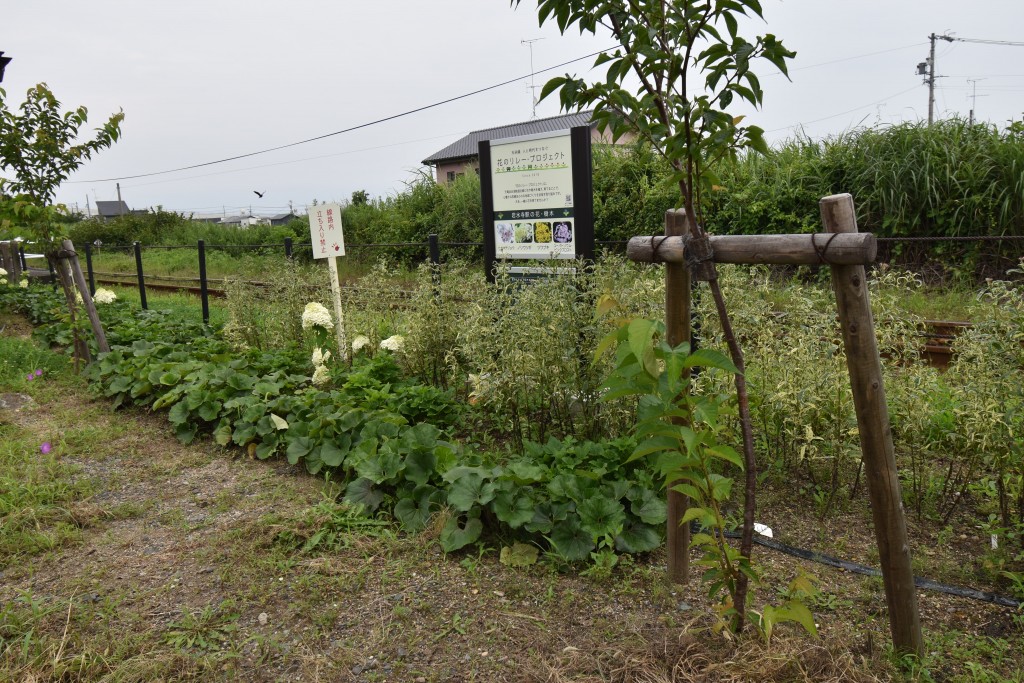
(204, 80)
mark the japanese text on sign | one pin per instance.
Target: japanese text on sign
(325, 230)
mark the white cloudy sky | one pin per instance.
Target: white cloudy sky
(200, 80)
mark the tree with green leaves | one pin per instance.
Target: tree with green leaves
(677, 67)
(40, 147)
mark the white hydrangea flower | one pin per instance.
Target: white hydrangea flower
(320, 357)
(359, 343)
(316, 315)
(3, 273)
(78, 297)
(321, 375)
(24, 283)
(104, 296)
(394, 343)
(3, 281)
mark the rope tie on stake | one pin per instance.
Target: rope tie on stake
(822, 250)
(699, 257)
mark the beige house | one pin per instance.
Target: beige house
(462, 155)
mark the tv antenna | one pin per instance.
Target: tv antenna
(532, 88)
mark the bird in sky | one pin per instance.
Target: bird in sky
(258, 193)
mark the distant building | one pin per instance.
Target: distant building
(105, 210)
(462, 155)
(282, 218)
(244, 221)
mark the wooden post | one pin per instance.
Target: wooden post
(677, 331)
(864, 364)
(10, 261)
(339, 323)
(71, 257)
(61, 269)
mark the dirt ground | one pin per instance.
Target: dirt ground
(187, 563)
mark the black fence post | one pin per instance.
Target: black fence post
(141, 277)
(21, 255)
(204, 293)
(88, 269)
(287, 247)
(435, 264)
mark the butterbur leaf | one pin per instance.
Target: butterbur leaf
(332, 453)
(470, 490)
(571, 541)
(363, 492)
(186, 433)
(638, 538)
(419, 466)
(179, 414)
(222, 435)
(514, 508)
(519, 555)
(413, 511)
(298, 448)
(650, 508)
(455, 536)
(601, 516)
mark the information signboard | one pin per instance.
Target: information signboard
(537, 197)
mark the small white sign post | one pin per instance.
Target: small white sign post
(329, 242)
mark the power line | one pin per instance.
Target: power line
(848, 111)
(285, 163)
(339, 132)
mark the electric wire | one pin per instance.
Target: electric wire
(338, 132)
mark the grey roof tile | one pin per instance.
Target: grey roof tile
(467, 146)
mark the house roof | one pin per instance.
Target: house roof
(105, 208)
(281, 216)
(468, 146)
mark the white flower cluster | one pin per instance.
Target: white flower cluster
(316, 315)
(104, 296)
(321, 375)
(320, 357)
(360, 343)
(78, 297)
(394, 343)
(3, 276)
(24, 283)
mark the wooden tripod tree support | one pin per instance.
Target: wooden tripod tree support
(847, 252)
(71, 269)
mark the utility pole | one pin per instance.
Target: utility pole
(532, 88)
(927, 67)
(88, 209)
(120, 204)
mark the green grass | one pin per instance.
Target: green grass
(37, 489)
(184, 306)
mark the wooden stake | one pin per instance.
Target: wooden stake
(865, 366)
(677, 331)
(83, 288)
(339, 325)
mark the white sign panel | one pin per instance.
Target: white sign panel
(325, 230)
(531, 180)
